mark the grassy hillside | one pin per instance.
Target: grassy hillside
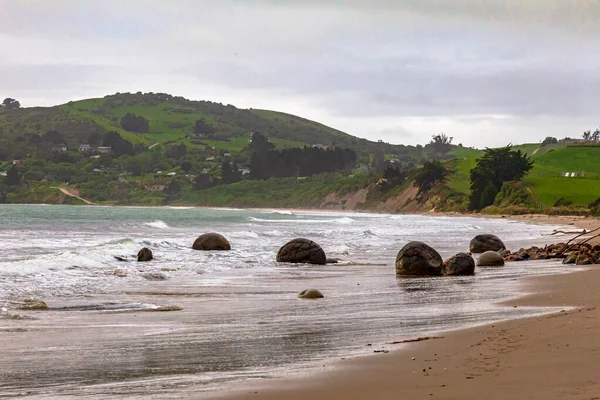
(545, 178)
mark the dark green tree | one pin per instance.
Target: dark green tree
(203, 129)
(432, 173)
(10, 104)
(13, 176)
(495, 167)
(135, 123)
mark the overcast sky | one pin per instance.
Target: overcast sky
(487, 72)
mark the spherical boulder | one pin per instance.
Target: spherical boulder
(483, 243)
(310, 294)
(211, 241)
(459, 264)
(145, 254)
(490, 259)
(418, 258)
(301, 251)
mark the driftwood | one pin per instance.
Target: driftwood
(417, 339)
(555, 232)
(566, 246)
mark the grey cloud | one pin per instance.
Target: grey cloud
(354, 60)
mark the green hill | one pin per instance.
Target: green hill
(171, 120)
(545, 179)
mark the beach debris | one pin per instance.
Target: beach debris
(418, 258)
(301, 250)
(459, 264)
(120, 258)
(331, 261)
(490, 259)
(381, 351)
(413, 359)
(419, 339)
(145, 254)
(33, 304)
(211, 241)
(310, 294)
(155, 276)
(120, 273)
(485, 242)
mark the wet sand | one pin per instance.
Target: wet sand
(549, 357)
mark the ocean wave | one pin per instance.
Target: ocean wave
(343, 220)
(158, 224)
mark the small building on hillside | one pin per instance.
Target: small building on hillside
(211, 158)
(573, 174)
(60, 147)
(104, 149)
(319, 146)
(16, 162)
(84, 147)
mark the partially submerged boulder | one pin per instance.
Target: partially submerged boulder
(155, 276)
(483, 243)
(145, 254)
(33, 304)
(301, 251)
(310, 294)
(459, 264)
(211, 241)
(490, 259)
(418, 258)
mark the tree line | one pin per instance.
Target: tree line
(266, 162)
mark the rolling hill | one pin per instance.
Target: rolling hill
(171, 120)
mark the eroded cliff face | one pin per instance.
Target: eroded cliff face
(404, 202)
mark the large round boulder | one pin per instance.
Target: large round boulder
(459, 264)
(145, 254)
(301, 251)
(310, 294)
(211, 241)
(483, 243)
(418, 258)
(490, 259)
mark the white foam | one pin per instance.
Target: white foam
(158, 224)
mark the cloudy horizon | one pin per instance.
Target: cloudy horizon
(484, 72)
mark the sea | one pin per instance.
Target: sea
(212, 321)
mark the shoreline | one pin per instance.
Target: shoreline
(545, 357)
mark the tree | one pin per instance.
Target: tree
(440, 143)
(135, 123)
(10, 104)
(260, 144)
(495, 167)
(229, 174)
(13, 177)
(587, 135)
(596, 135)
(53, 136)
(119, 146)
(549, 140)
(203, 129)
(433, 172)
(186, 166)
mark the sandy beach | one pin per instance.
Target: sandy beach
(549, 357)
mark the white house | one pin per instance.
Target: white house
(104, 149)
(84, 147)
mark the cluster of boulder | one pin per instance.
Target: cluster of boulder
(418, 258)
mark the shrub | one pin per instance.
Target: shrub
(563, 202)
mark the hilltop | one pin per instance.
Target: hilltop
(173, 120)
